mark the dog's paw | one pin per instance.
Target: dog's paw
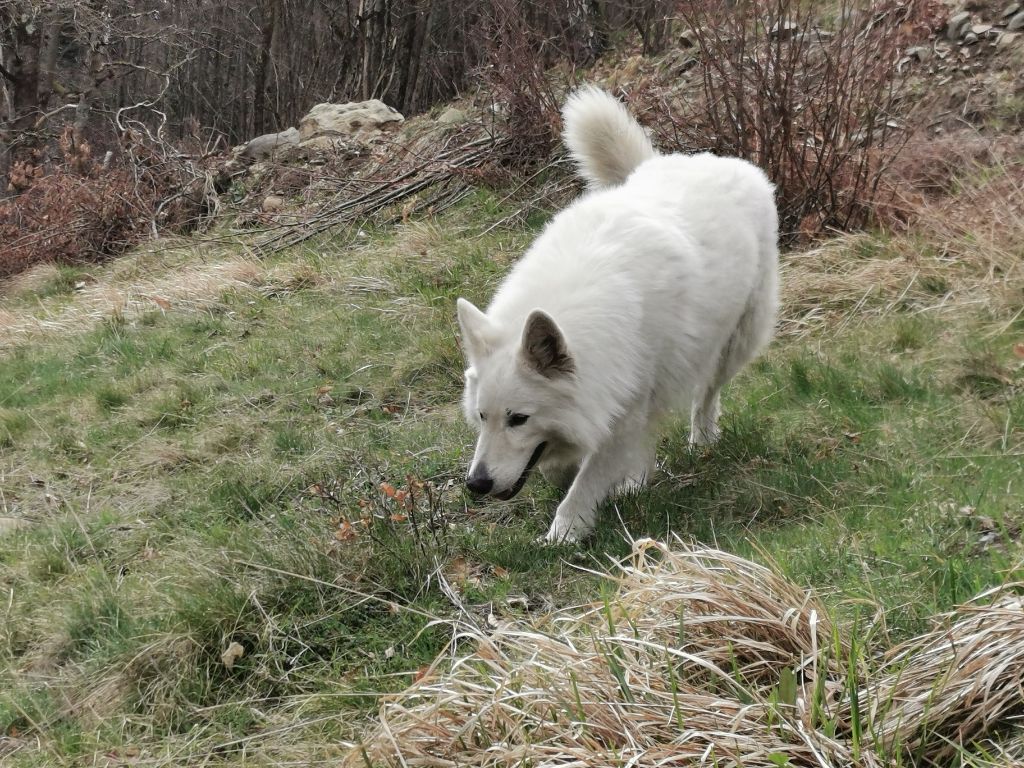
(563, 533)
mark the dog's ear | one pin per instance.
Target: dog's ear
(544, 348)
(477, 330)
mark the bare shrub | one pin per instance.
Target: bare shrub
(816, 108)
(531, 51)
(79, 212)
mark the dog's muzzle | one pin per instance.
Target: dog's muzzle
(534, 458)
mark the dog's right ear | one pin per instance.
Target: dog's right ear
(544, 348)
(477, 331)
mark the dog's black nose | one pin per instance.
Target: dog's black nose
(479, 482)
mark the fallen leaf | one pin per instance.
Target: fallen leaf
(399, 518)
(501, 573)
(234, 652)
(1018, 349)
(388, 490)
(986, 523)
(345, 531)
(458, 571)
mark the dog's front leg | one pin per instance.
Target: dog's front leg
(625, 461)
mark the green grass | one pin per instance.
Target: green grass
(196, 478)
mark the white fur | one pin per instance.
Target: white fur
(662, 283)
(603, 138)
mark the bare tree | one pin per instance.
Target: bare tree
(243, 67)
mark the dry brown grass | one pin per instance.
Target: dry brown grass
(963, 252)
(193, 288)
(954, 684)
(703, 658)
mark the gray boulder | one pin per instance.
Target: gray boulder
(269, 144)
(958, 25)
(361, 119)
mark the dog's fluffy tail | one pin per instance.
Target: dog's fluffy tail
(606, 142)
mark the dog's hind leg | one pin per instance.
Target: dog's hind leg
(704, 417)
(751, 334)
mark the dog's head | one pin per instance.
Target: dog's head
(518, 384)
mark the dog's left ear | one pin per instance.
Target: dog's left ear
(477, 330)
(544, 348)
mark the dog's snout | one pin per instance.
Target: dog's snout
(479, 482)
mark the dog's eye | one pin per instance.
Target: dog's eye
(517, 419)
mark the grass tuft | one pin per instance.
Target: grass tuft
(703, 653)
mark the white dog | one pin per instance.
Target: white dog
(649, 292)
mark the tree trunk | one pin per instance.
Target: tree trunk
(264, 71)
(412, 103)
(21, 72)
(97, 76)
(48, 63)
(24, 71)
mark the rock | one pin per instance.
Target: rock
(970, 39)
(1016, 23)
(919, 53)
(1006, 39)
(269, 144)
(783, 30)
(272, 203)
(9, 525)
(326, 143)
(231, 654)
(689, 38)
(1011, 10)
(452, 116)
(356, 118)
(958, 25)
(981, 30)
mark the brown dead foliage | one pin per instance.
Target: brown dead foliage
(81, 208)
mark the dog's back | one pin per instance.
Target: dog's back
(699, 230)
